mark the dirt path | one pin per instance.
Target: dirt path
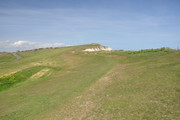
(82, 106)
(17, 56)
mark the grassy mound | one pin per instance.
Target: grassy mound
(12, 79)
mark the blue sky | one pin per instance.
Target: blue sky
(119, 24)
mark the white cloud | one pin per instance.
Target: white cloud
(25, 45)
(21, 43)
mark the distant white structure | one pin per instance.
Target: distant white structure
(101, 48)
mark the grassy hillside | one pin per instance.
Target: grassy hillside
(69, 84)
(6, 57)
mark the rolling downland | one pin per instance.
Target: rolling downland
(71, 84)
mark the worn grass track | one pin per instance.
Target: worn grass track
(76, 85)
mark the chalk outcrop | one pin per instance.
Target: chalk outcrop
(101, 48)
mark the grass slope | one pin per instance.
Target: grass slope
(6, 57)
(68, 84)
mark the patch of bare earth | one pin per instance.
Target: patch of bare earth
(44, 63)
(30, 65)
(81, 108)
(40, 73)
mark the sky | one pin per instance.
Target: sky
(119, 24)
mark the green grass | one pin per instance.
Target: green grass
(12, 79)
(146, 91)
(97, 85)
(6, 57)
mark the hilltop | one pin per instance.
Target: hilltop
(71, 83)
